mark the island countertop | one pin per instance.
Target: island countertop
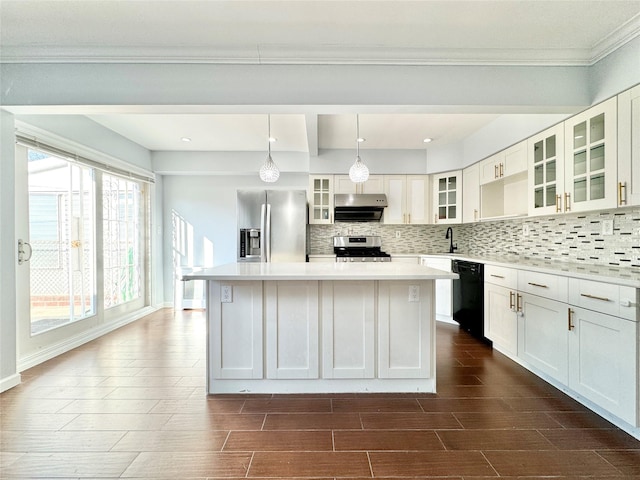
(318, 271)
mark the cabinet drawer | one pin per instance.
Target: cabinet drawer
(505, 277)
(604, 297)
(553, 287)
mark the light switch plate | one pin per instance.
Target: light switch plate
(226, 294)
(607, 227)
(414, 293)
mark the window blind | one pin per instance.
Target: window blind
(74, 157)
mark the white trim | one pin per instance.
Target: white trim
(616, 39)
(70, 343)
(9, 382)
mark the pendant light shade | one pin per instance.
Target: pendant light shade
(269, 170)
(358, 173)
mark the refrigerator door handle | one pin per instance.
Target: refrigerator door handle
(267, 239)
(263, 233)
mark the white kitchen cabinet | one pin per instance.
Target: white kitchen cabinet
(447, 196)
(343, 184)
(510, 161)
(348, 329)
(500, 317)
(591, 159)
(546, 171)
(501, 304)
(471, 193)
(291, 324)
(236, 325)
(542, 335)
(629, 147)
(408, 197)
(444, 288)
(406, 336)
(320, 199)
(504, 195)
(603, 361)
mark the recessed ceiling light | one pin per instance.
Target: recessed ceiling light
(427, 140)
(185, 139)
(360, 139)
(273, 139)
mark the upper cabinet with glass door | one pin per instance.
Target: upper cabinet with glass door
(447, 194)
(321, 199)
(591, 159)
(546, 171)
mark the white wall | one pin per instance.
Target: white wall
(207, 206)
(616, 72)
(8, 335)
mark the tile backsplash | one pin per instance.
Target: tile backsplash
(575, 238)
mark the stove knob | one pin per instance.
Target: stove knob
(364, 259)
(375, 259)
(351, 259)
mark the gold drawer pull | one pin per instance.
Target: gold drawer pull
(558, 205)
(518, 304)
(501, 170)
(569, 324)
(511, 302)
(567, 202)
(593, 297)
(497, 276)
(537, 285)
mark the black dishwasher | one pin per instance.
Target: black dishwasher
(468, 298)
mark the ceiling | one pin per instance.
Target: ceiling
(461, 32)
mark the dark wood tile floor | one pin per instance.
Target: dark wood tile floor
(132, 404)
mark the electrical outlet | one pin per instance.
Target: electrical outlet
(397, 233)
(525, 230)
(636, 232)
(414, 293)
(607, 227)
(226, 294)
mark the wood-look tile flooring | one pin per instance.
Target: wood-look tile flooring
(132, 404)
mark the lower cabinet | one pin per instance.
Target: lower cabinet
(237, 326)
(348, 329)
(406, 333)
(444, 288)
(542, 335)
(603, 362)
(292, 329)
(500, 317)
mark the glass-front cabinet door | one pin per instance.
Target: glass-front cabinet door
(447, 193)
(321, 199)
(546, 171)
(590, 159)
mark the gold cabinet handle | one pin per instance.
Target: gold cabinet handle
(435, 218)
(409, 215)
(501, 170)
(622, 200)
(511, 302)
(537, 285)
(567, 202)
(594, 297)
(518, 302)
(404, 220)
(475, 214)
(569, 323)
(497, 276)
(495, 171)
(558, 203)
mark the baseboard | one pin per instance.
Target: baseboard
(9, 382)
(53, 351)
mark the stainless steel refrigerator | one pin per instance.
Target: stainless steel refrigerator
(272, 225)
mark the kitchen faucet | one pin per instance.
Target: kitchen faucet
(449, 236)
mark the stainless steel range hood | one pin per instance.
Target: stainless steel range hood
(359, 207)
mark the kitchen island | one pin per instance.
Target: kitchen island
(320, 327)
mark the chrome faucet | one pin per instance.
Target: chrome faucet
(449, 236)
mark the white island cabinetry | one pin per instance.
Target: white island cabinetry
(326, 327)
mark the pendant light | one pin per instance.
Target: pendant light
(358, 173)
(269, 170)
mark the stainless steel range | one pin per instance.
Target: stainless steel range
(359, 249)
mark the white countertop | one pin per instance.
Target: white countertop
(628, 277)
(318, 271)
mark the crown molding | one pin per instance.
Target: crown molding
(616, 39)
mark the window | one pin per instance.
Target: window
(122, 220)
